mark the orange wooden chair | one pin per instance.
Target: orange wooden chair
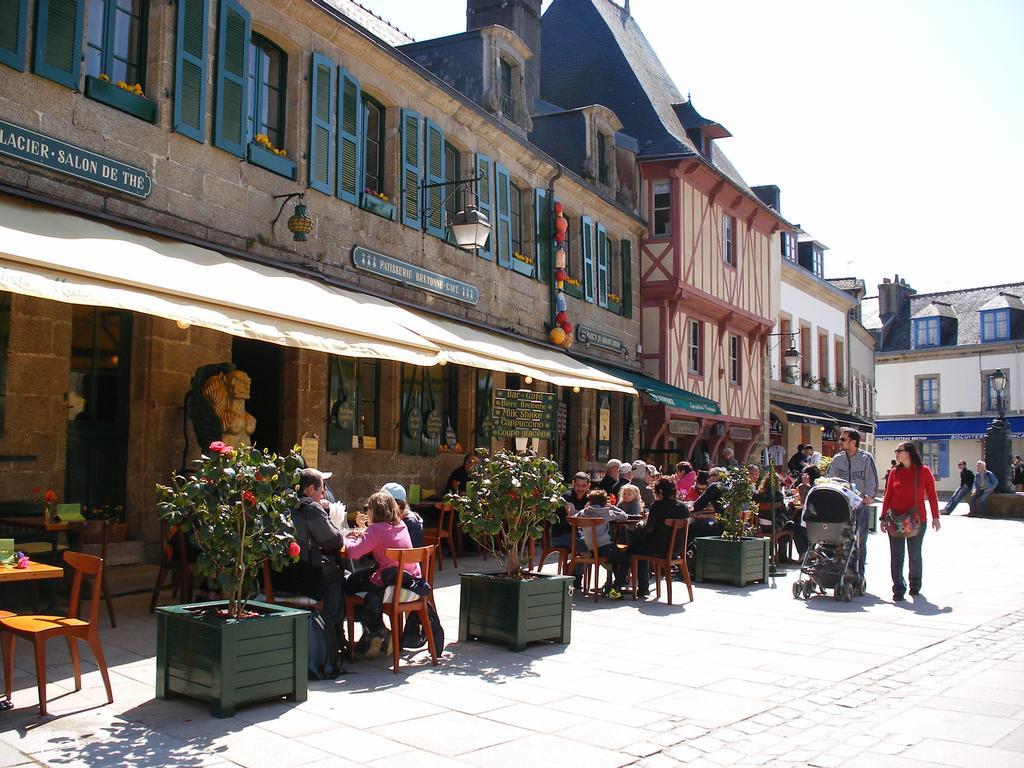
(663, 566)
(591, 559)
(71, 628)
(402, 601)
(173, 560)
(443, 533)
(546, 549)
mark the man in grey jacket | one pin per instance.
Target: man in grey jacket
(857, 467)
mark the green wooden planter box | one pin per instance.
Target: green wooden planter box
(118, 98)
(513, 611)
(374, 204)
(264, 158)
(228, 662)
(735, 562)
(521, 267)
(615, 306)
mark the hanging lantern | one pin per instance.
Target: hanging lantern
(300, 224)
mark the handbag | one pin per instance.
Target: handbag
(903, 525)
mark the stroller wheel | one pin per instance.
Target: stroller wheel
(848, 593)
(798, 590)
(863, 587)
(808, 590)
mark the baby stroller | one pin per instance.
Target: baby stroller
(831, 558)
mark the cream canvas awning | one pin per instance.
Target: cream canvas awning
(61, 256)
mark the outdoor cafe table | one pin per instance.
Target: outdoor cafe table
(39, 523)
(35, 572)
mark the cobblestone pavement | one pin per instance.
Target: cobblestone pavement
(738, 677)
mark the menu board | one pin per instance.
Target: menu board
(522, 413)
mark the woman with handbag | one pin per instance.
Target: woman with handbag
(904, 516)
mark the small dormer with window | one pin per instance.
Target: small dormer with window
(934, 325)
(811, 255)
(700, 130)
(1002, 318)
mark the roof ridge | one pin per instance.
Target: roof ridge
(967, 290)
(381, 18)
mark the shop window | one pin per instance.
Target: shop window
(58, 41)
(5, 340)
(695, 347)
(935, 456)
(116, 40)
(735, 360)
(353, 419)
(661, 210)
(927, 394)
(729, 255)
(426, 395)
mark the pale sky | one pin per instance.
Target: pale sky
(895, 128)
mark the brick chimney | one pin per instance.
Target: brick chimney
(523, 18)
(892, 296)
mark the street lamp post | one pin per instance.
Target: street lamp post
(996, 444)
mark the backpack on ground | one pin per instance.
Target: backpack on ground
(414, 636)
(324, 651)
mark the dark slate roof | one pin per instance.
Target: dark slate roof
(848, 283)
(371, 22)
(964, 304)
(593, 52)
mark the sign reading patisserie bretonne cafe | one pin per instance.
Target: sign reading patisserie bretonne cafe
(57, 155)
(413, 276)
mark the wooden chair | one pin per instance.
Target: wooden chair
(272, 596)
(663, 566)
(783, 542)
(591, 559)
(104, 540)
(353, 601)
(71, 628)
(397, 607)
(444, 532)
(173, 560)
(782, 537)
(546, 549)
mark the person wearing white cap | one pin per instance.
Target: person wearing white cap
(612, 480)
(640, 481)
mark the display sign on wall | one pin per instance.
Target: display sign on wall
(596, 338)
(522, 413)
(413, 276)
(604, 426)
(60, 156)
(683, 427)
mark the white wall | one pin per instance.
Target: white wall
(803, 307)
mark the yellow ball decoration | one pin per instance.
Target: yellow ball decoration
(557, 336)
(567, 341)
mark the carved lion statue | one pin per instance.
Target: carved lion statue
(219, 393)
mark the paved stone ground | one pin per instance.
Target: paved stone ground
(739, 677)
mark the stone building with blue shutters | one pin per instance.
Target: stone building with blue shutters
(147, 155)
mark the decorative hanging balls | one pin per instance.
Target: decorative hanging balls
(559, 237)
(561, 224)
(559, 208)
(567, 327)
(560, 302)
(562, 317)
(560, 275)
(557, 336)
(560, 257)
(567, 342)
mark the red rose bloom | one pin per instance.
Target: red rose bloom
(248, 497)
(293, 549)
(217, 446)
(50, 496)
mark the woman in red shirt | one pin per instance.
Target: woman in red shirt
(909, 474)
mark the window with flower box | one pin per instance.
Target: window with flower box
(268, 69)
(115, 55)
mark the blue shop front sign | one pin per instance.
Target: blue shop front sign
(414, 276)
(37, 148)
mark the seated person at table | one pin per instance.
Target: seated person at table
(709, 503)
(386, 531)
(764, 497)
(317, 574)
(597, 506)
(460, 475)
(652, 537)
(576, 498)
(701, 483)
(412, 520)
(612, 481)
(685, 478)
(630, 500)
(640, 481)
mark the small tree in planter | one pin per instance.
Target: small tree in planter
(237, 504)
(508, 500)
(739, 555)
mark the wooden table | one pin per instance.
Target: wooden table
(34, 572)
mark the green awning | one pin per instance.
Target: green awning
(665, 394)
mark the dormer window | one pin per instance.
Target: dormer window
(926, 332)
(506, 73)
(602, 158)
(995, 325)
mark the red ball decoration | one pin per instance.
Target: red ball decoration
(560, 275)
(559, 208)
(567, 327)
(561, 224)
(562, 317)
(559, 237)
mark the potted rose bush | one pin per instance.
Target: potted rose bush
(508, 500)
(740, 554)
(235, 507)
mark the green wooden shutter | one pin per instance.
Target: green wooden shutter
(350, 137)
(587, 250)
(627, 278)
(411, 158)
(190, 70)
(14, 14)
(58, 48)
(342, 405)
(321, 125)
(542, 234)
(234, 33)
(411, 427)
(502, 193)
(434, 171)
(602, 266)
(484, 197)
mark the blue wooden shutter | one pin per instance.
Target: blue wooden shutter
(434, 170)
(626, 248)
(411, 158)
(502, 207)
(542, 234)
(350, 137)
(14, 14)
(484, 198)
(190, 70)
(58, 48)
(587, 250)
(234, 33)
(321, 125)
(602, 266)
(943, 459)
